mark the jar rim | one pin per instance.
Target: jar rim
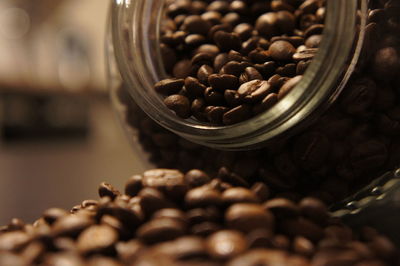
(317, 89)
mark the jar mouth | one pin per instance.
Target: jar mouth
(135, 33)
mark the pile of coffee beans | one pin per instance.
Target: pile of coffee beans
(166, 217)
(354, 142)
(231, 60)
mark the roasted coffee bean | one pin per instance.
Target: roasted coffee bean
(222, 82)
(306, 54)
(182, 69)
(196, 25)
(262, 257)
(171, 213)
(254, 91)
(203, 73)
(213, 96)
(152, 200)
(303, 246)
(232, 98)
(282, 208)
(97, 239)
(53, 214)
(194, 40)
(202, 59)
(215, 114)
(196, 178)
(160, 230)
(179, 104)
(226, 244)
(107, 190)
(237, 114)
(314, 209)
(246, 217)
(238, 195)
(281, 50)
(250, 73)
(227, 41)
(288, 86)
(71, 225)
(244, 30)
(203, 196)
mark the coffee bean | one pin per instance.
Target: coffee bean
(97, 239)
(306, 54)
(220, 60)
(215, 113)
(244, 31)
(261, 191)
(182, 69)
(238, 195)
(13, 241)
(179, 104)
(254, 91)
(261, 257)
(282, 208)
(288, 86)
(226, 244)
(196, 178)
(246, 217)
(314, 209)
(281, 50)
(194, 40)
(232, 98)
(152, 200)
(202, 59)
(71, 225)
(160, 230)
(213, 96)
(53, 214)
(222, 82)
(227, 41)
(196, 25)
(266, 25)
(107, 190)
(250, 73)
(237, 114)
(203, 196)
(171, 213)
(303, 246)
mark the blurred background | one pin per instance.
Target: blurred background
(59, 137)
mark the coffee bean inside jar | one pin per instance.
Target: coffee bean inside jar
(226, 57)
(250, 63)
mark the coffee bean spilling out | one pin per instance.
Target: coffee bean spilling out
(230, 60)
(353, 143)
(166, 217)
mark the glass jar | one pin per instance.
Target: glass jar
(336, 132)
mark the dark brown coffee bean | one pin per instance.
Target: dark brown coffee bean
(238, 195)
(305, 54)
(220, 60)
(311, 150)
(213, 96)
(244, 31)
(171, 213)
(314, 209)
(194, 87)
(182, 69)
(232, 178)
(281, 50)
(160, 230)
(254, 90)
(196, 25)
(208, 49)
(282, 208)
(152, 200)
(302, 227)
(53, 214)
(302, 67)
(203, 73)
(13, 241)
(196, 178)
(231, 18)
(232, 68)
(222, 82)
(316, 29)
(303, 246)
(261, 191)
(259, 238)
(169, 181)
(288, 86)
(215, 113)
(202, 59)
(179, 104)
(213, 17)
(250, 73)
(286, 22)
(168, 57)
(219, 27)
(251, 44)
(386, 63)
(232, 98)
(261, 257)
(194, 40)
(200, 215)
(107, 190)
(227, 41)
(97, 239)
(266, 25)
(203, 196)
(313, 41)
(133, 185)
(226, 244)
(71, 225)
(246, 217)
(205, 229)
(237, 114)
